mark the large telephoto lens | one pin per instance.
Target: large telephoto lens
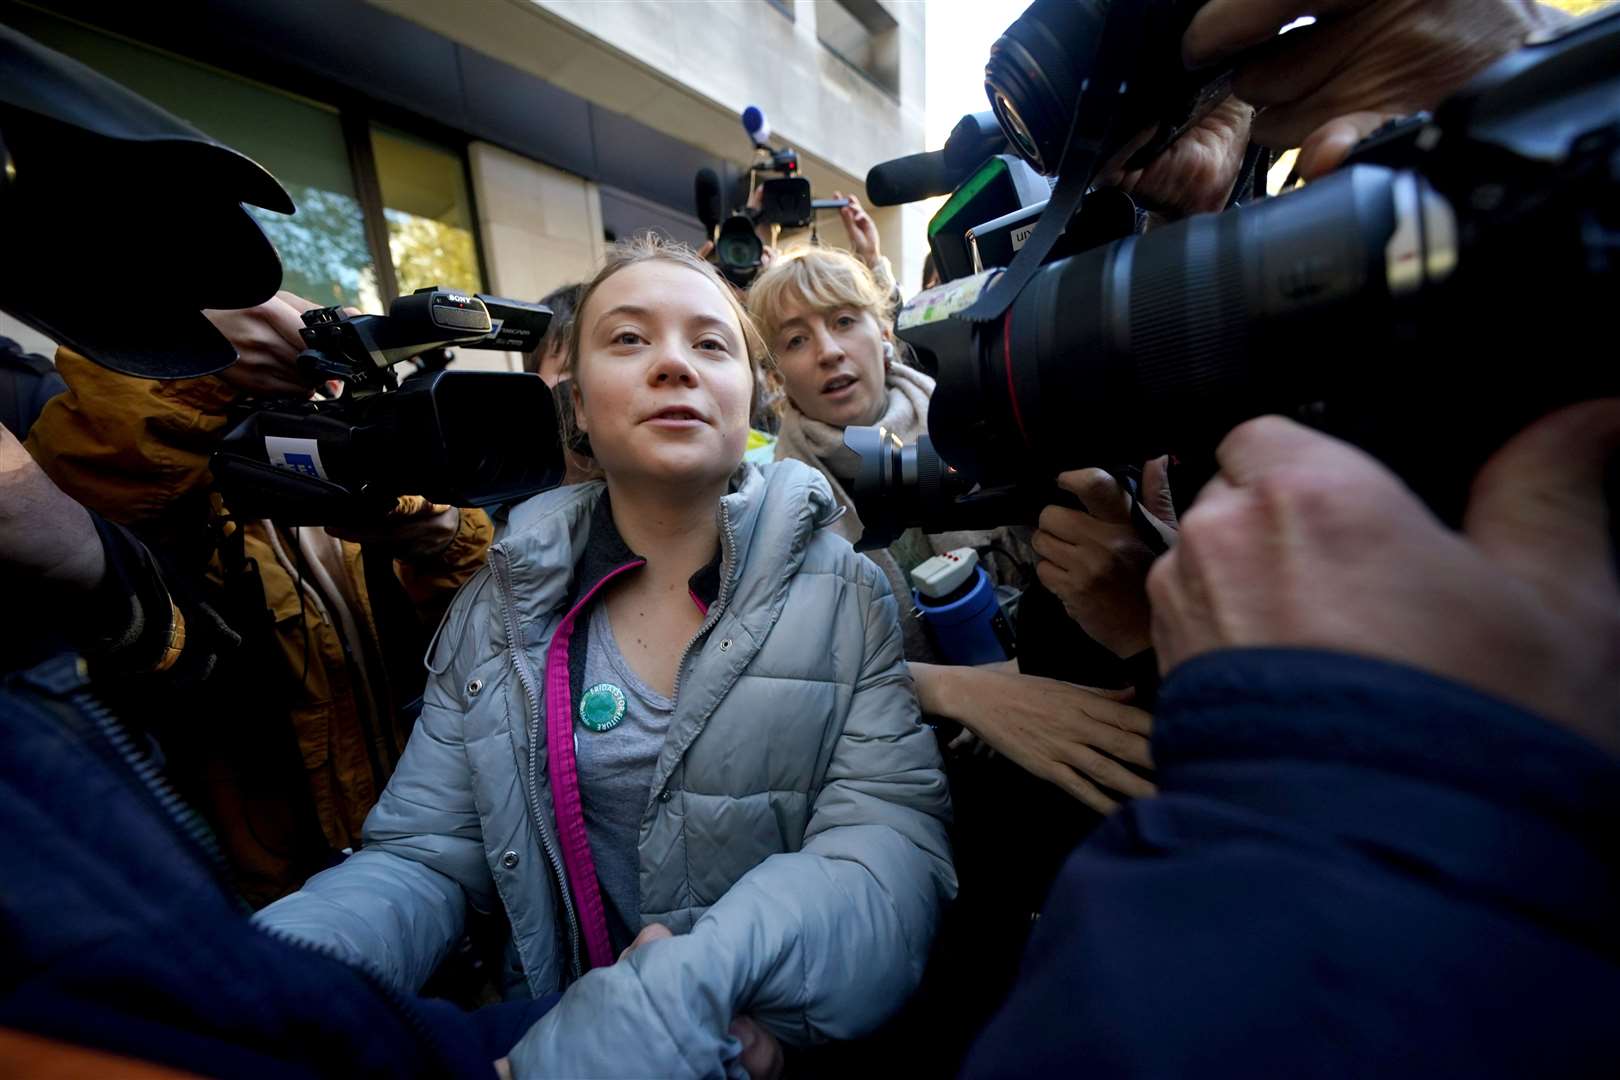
(1171, 338)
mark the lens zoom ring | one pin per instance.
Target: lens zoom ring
(930, 474)
(1189, 324)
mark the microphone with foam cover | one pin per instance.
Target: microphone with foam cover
(907, 179)
(706, 193)
(754, 122)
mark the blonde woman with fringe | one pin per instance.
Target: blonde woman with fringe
(825, 318)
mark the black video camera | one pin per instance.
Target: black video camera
(467, 438)
(1394, 303)
(785, 200)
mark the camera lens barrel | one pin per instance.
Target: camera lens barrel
(1173, 337)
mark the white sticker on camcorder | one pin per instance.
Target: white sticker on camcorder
(299, 455)
(943, 301)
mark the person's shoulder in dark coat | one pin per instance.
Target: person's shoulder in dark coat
(1352, 869)
(27, 382)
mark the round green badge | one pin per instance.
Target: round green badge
(602, 707)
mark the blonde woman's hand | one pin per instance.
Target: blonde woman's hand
(864, 243)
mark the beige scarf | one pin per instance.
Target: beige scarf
(821, 446)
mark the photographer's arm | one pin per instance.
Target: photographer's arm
(130, 449)
(32, 507)
(116, 601)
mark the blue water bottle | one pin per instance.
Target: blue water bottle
(958, 604)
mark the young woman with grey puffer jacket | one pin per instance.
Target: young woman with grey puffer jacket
(789, 828)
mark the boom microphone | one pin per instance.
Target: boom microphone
(907, 179)
(706, 193)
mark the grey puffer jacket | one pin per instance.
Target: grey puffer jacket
(793, 837)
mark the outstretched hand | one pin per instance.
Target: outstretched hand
(861, 229)
(1071, 736)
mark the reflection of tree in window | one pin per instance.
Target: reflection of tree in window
(323, 248)
(429, 212)
(428, 252)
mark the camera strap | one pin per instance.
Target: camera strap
(1094, 119)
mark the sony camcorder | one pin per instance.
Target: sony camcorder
(1397, 303)
(466, 438)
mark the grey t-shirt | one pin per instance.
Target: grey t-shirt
(615, 776)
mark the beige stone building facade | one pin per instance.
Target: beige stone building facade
(498, 144)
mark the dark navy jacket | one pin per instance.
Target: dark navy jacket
(117, 932)
(1352, 869)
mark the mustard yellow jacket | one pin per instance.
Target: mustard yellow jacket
(136, 451)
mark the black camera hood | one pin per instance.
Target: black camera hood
(123, 222)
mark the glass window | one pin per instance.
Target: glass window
(323, 246)
(864, 35)
(429, 213)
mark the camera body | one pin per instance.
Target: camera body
(785, 201)
(467, 438)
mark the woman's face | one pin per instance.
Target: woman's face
(663, 383)
(832, 363)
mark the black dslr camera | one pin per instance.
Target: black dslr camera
(1394, 303)
(786, 200)
(467, 438)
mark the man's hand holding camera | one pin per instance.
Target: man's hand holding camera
(413, 529)
(267, 345)
(267, 342)
(1095, 562)
(1304, 541)
(1324, 87)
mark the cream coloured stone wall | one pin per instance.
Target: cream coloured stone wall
(689, 67)
(541, 228)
